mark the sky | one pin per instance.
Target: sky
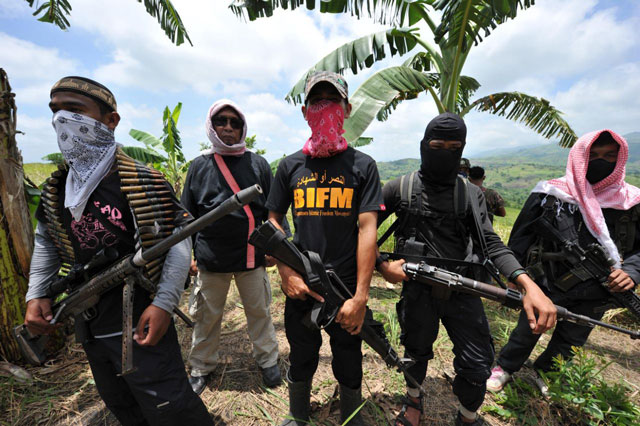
(581, 55)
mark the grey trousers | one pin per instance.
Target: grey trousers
(206, 306)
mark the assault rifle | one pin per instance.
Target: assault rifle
(433, 276)
(83, 297)
(327, 283)
(591, 263)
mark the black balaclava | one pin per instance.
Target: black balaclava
(440, 166)
(600, 168)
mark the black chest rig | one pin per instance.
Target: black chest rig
(546, 259)
(415, 239)
(414, 235)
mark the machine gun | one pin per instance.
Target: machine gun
(327, 283)
(83, 296)
(433, 276)
(591, 263)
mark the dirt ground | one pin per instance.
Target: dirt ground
(63, 391)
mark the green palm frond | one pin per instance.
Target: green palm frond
(421, 61)
(168, 18)
(143, 155)
(466, 88)
(146, 138)
(361, 141)
(382, 90)
(358, 54)
(55, 158)
(388, 12)
(53, 11)
(537, 114)
(463, 21)
(57, 11)
(171, 135)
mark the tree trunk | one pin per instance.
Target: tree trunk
(16, 230)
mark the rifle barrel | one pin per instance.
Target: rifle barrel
(232, 203)
(431, 275)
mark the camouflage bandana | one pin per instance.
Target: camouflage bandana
(88, 146)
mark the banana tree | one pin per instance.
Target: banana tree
(172, 163)
(56, 12)
(436, 69)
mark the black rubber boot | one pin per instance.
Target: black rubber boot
(350, 401)
(299, 403)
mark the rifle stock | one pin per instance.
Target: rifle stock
(426, 274)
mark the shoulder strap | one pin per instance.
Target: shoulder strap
(228, 177)
(460, 197)
(625, 230)
(475, 212)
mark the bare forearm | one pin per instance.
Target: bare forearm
(366, 254)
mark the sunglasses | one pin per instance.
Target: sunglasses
(236, 123)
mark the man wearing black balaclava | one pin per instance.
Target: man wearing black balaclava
(430, 224)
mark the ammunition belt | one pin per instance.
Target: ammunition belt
(152, 206)
(53, 206)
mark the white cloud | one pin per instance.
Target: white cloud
(26, 61)
(552, 41)
(226, 49)
(609, 100)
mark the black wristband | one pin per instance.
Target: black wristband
(381, 259)
(516, 273)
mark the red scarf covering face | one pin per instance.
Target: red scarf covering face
(611, 192)
(326, 119)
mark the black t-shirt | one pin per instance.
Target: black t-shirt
(105, 222)
(326, 196)
(222, 246)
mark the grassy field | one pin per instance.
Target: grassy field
(63, 391)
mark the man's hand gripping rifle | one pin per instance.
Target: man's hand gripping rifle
(426, 274)
(85, 295)
(326, 283)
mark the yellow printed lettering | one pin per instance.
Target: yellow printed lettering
(323, 195)
(298, 198)
(311, 198)
(341, 198)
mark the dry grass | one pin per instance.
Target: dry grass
(63, 392)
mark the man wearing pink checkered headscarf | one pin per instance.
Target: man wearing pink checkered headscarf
(591, 204)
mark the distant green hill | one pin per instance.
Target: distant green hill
(514, 172)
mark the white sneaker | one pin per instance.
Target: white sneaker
(498, 379)
(542, 385)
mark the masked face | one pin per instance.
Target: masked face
(441, 149)
(326, 120)
(82, 140)
(602, 162)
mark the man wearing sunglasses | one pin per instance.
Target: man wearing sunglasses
(334, 193)
(221, 250)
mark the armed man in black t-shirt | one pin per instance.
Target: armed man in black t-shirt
(334, 194)
(435, 221)
(83, 210)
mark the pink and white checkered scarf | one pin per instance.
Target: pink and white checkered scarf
(611, 192)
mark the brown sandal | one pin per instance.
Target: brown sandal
(408, 402)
